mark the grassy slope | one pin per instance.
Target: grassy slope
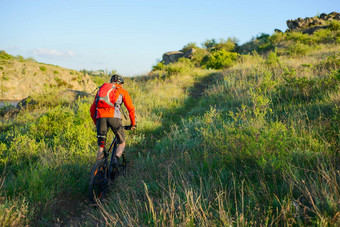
(21, 77)
(255, 144)
(259, 147)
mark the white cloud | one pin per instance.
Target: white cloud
(52, 53)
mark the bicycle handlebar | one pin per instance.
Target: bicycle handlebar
(127, 127)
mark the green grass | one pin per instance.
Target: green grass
(253, 144)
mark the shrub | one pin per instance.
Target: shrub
(278, 37)
(198, 56)
(184, 65)
(261, 44)
(273, 59)
(60, 82)
(264, 43)
(6, 108)
(190, 46)
(300, 37)
(4, 55)
(331, 63)
(20, 58)
(304, 89)
(1, 68)
(55, 72)
(323, 36)
(158, 66)
(227, 45)
(219, 60)
(209, 43)
(298, 49)
(42, 68)
(4, 76)
(334, 25)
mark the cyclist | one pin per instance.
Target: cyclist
(110, 117)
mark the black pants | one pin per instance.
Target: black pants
(109, 122)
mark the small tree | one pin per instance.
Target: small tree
(209, 43)
(219, 59)
(190, 46)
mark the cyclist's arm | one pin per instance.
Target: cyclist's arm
(93, 110)
(129, 106)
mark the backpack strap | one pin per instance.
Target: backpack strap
(122, 110)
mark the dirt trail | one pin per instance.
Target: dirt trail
(201, 86)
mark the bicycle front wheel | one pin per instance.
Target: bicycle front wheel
(98, 181)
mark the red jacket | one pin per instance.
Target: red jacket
(123, 97)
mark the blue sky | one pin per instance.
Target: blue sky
(131, 35)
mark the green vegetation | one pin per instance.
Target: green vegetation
(219, 60)
(242, 138)
(4, 55)
(43, 68)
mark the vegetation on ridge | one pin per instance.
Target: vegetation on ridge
(256, 143)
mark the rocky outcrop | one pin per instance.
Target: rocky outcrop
(173, 56)
(311, 24)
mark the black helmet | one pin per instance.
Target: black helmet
(117, 79)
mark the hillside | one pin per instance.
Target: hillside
(23, 77)
(232, 136)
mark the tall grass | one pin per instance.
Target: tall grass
(257, 148)
(254, 144)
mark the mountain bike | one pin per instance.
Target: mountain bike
(103, 172)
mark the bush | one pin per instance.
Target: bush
(158, 66)
(219, 60)
(298, 49)
(20, 58)
(6, 108)
(55, 72)
(334, 25)
(184, 65)
(261, 44)
(210, 43)
(304, 89)
(299, 37)
(331, 63)
(264, 43)
(273, 59)
(198, 56)
(4, 55)
(190, 46)
(227, 45)
(323, 36)
(42, 68)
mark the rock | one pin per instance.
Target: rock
(189, 53)
(323, 16)
(304, 25)
(173, 56)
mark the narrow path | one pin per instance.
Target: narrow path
(79, 212)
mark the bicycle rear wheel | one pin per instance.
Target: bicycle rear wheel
(98, 181)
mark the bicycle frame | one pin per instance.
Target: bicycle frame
(113, 148)
(99, 183)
